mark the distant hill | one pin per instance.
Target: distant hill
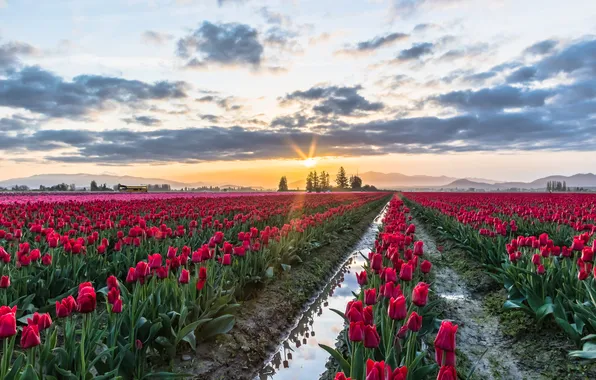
(84, 180)
(587, 180)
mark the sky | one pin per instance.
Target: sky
(247, 90)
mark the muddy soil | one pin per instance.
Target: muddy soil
(262, 321)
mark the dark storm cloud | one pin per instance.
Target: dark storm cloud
(148, 121)
(541, 48)
(221, 44)
(10, 52)
(496, 98)
(416, 51)
(41, 91)
(374, 43)
(345, 101)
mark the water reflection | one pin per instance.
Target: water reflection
(299, 355)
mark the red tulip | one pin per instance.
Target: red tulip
(445, 339)
(426, 266)
(588, 254)
(447, 373)
(30, 337)
(444, 357)
(370, 296)
(341, 376)
(112, 283)
(398, 309)
(405, 273)
(86, 301)
(540, 269)
(578, 245)
(8, 321)
(4, 282)
(155, 260)
(141, 270)
(131, 276)
(227, 259)
(418, 248)
(362, 278)
(184, 277)
(414, 322)
(376, 262)
(356, 331)
(368, 315)
(420, 294)
(375, 370)
(117, 306)
(371, 337)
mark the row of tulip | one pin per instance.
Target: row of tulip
(150, 310)
(391, 316)
(542, 278)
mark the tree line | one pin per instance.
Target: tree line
(321, 182)
(556, 186)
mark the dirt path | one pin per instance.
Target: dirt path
(479, 336)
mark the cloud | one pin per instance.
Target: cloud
(156, 38)
(17, 123)
(10, 52)
(541, 48)
(374, 43)
(522, 75)
(334, 100)
(43, 92)
(495, 98)
(209, 118)
(223, 102)
(407, 7)
(421, 28)
(465, 52)
(221, 44)
(416, 51)
(225, 2)
(148, 121)
(479, 78)
(578, 58)
(271, 17)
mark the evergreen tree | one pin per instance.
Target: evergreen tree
(355, 182)
(283, 184)
(323, 177)
(327, 181)
(315, 182)
(309, 182)
(94, 186)
(341, 179)
(564, 185)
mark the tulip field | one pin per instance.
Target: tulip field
(118, 285)
(539, 247)
(122, 285)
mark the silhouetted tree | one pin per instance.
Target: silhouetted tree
(309, 182)
(341, 179)
(283, 184)
(355, 182)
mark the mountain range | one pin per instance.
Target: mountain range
(380, 180)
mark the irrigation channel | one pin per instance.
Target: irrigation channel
(299, 356)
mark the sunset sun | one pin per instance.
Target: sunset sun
(309, 162)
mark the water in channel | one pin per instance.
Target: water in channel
(299, 356)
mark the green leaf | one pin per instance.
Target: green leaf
(16, 367)
(423, 372)
(357, 367)
(190, 328)
(345, 366)
(29, 374)
(219, 325)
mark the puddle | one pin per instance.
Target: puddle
(299, 355)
